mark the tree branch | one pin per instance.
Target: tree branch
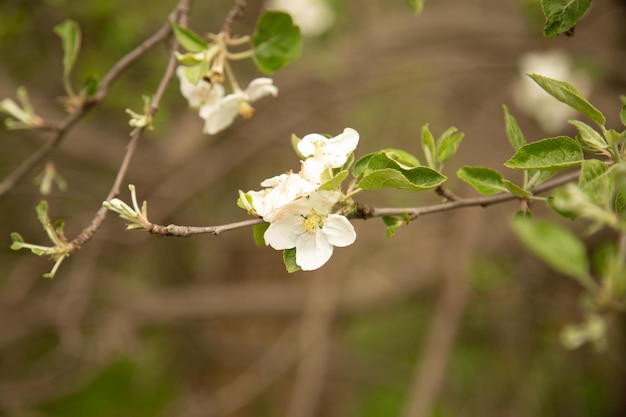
(365, 211)
(86, 234)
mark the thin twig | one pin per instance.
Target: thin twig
(87, 105)
(86, 234)
(237, 10)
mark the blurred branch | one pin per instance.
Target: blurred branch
(430, 370)
(315, 347)
(87, 104)
(272, 365)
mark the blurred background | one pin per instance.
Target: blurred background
(450, 317)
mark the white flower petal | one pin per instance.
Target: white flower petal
(310, 144)
(259, 88)
(323, 201)
(200, 94)
(312, 251)
(219, 117)
(284, 234)
(339, 147)
(338, 230)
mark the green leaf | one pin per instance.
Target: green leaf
(588, 138)
(294, 144)
(335, 182)
(392, 223)
(42, 213)
(289, 258)
(403, 158)
(513, 131)
(595, 181)
(428, 145)
(69, 32)
(194, 73)
(484, 180)
(447, 145)
(555, 245)
(549, 154)
(622, 115)
(189, 39)
(566, 93)
(515, 189)
(258, 233)
(277, 41)
(380, 171)
(17, 241)
(562, 15)
(416, 5)
(488, 181)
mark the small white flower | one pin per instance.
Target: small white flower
(314, 17)
(283, 189)
(201, 94)
(326, 153)
(220, 114)
(308, 226)
(550, 114)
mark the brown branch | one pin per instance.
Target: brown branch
(237, 10)
(86, 106)
(365, 211)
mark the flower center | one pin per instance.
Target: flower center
(312, 222)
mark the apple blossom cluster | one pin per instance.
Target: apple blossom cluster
(299, 206)
(218, 109)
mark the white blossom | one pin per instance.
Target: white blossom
(282, 190)
(314, 17)
(308, 225)
(220, 114)
(550, 114)
(201, 94)
(323, 153)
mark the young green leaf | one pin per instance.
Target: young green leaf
(416, 5)
(566, 93)
(484, 180)
(277, 41)
(562, 15)
(17, 241)
(334, 183)
(513, 131)
(189, 39)
(515, 189)
(403, 158)
(258, 232)
(69, 32)
(379, 171)
(547, 154)
(289, 258)
(588, 138)
(447, 145)
(555, 245)
(622, 115)
(392, 223)
(428, 146)
(595, 181)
